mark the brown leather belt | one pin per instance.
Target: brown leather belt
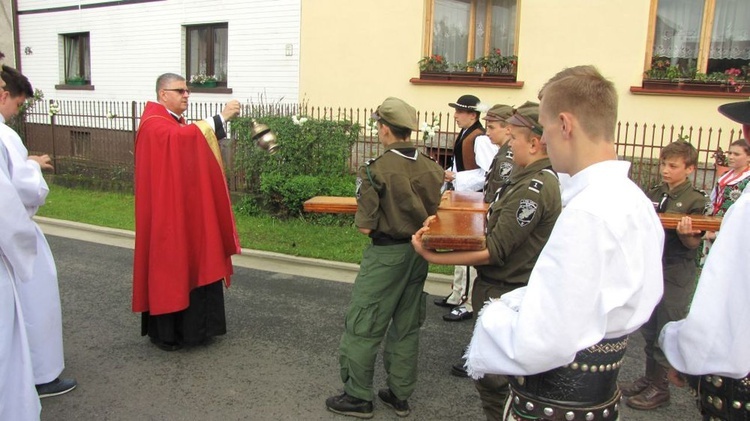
(524, 407)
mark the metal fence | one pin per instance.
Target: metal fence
(95, 138)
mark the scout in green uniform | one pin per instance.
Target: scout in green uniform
(675, 194)
(502, 165)
(395, 194)
(519, 222)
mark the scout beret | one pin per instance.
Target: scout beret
(397, 113)
(527, 115)
(499, 112)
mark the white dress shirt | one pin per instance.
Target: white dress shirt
(473, 180)
(599, 276)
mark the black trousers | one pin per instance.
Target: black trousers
(203, 319)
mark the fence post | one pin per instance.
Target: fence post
(54, 152)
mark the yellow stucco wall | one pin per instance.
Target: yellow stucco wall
(356, 53)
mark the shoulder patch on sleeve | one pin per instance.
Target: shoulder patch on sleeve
(358, 191)
(526, 211)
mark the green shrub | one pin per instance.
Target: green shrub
(285, 196)
(312, 160)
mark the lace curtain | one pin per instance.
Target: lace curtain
(731, 32)
(220, 53)
(450, 30)
(77, 57)
(678, 29)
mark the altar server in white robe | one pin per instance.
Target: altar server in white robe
(40, 298)
(18, 398)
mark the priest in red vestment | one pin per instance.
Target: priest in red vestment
(185, 233)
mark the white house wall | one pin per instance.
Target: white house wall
(132, 44)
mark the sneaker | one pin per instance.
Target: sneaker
(349, 405)
(400, 406)
(55, 387)
(457, 314)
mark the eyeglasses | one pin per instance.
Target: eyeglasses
(179, 91)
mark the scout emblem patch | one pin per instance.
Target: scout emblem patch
(505, 170)
(525, 213)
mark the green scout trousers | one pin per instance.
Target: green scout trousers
(388, 290)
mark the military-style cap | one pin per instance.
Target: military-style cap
(465, 102)
(737, 111)
(499, 112)
(397, 113)
(527, 115)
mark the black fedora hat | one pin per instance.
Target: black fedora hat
(466, 102)
(737, 111)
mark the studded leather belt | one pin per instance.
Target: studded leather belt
(524, 407)
(586, 382)
(723, 398)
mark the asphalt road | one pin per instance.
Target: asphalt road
(278, 360)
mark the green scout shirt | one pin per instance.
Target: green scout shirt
(520, 222)
(500, 170)
(397, 191)
(682, 199)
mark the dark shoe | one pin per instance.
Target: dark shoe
(457, 314)
(166, 346)
(349, 405)
(55, 387)
(400, 406)
(443, 302)
(651, 398)
(459, 370)
(629, 389)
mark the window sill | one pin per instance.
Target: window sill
(509, 85)
(216, 90)
(74, 87)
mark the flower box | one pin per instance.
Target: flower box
(469, 76)
(704, 86)
(662, 85)
(434, 75)
(206, 84)
(75, 82)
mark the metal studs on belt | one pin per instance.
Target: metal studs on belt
(548, 412)
(529, 406)
(589, 416)
(736, 404)
(717, 382)
(605, 413)
(570, 416)
(516, 400)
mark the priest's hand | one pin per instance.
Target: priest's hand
(231, 110)
(44, 161)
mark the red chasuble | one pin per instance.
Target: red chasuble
(185, 233)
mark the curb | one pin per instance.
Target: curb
(436, 284)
